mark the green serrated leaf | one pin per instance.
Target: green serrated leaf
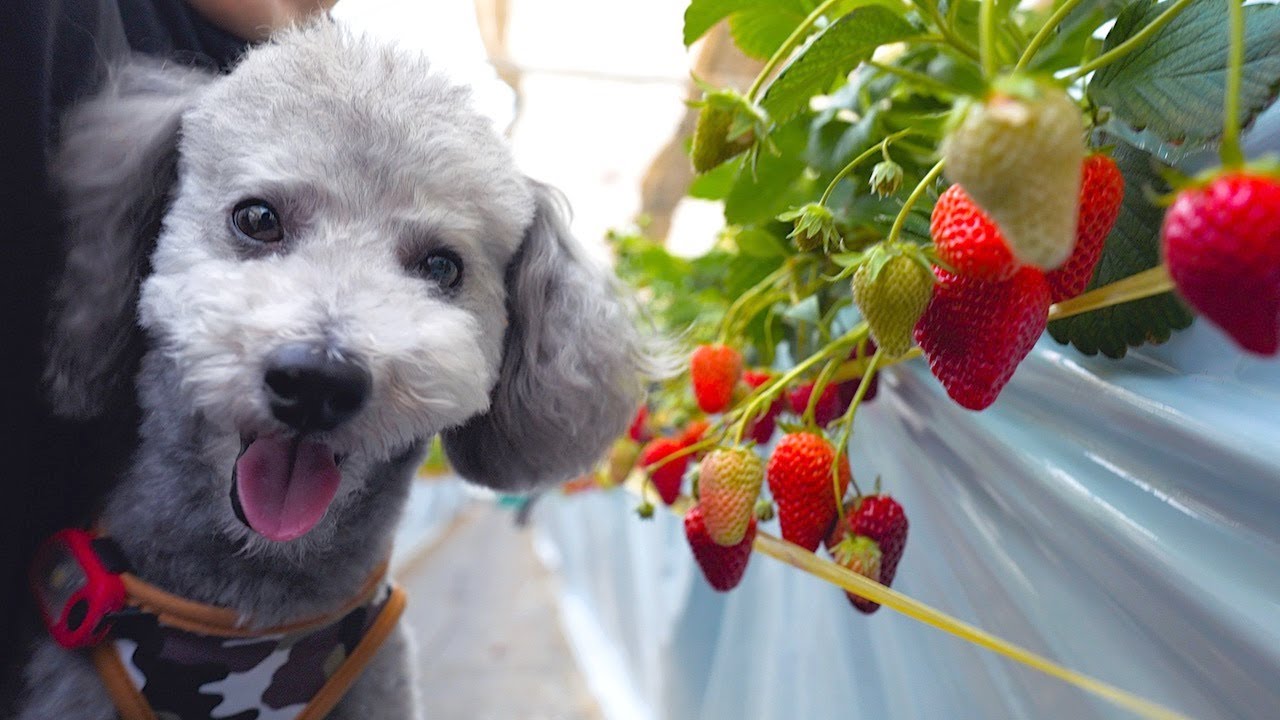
(758, 197)
(702, 15)
(1174, 84)
(760, 243)
(759, 31)
(1132, 246)
(832, 53)
(715, 183)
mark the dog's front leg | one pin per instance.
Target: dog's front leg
(386, 687)
(62, 683)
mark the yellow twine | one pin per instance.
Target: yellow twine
(827, 570)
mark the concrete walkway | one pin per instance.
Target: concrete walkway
(488, 638)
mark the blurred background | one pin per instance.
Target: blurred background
(1131, 537)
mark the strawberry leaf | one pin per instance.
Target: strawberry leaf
(1174, 84)
(1132, 246)
(757, 197)
(760, 244)
(832, 54)
(759, 31)
(702, 15)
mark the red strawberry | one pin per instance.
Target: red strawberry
(722, 566)
(693, 432)
(666, 478)
(882, 519)
(967, 239)
(1222, 247)
(639, 430)
(862, 555)
(761, 428)
(825, 410)
(799, 473)
(715, 370)
(1101, 192)
(976, 332)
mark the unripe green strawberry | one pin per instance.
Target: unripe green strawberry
(622, 458)
(862, 555)
(892, 295)
(726, 127)
(728, 485)
(1018, 154)
(711, 138)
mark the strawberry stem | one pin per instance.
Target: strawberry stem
(844, 171)
(930, 8)
(766, 392)
(910, 202)
(769, 281)
(987, 38)
(846, 430)
(1231, 154)
(1132, 43)
(819, 385)
(1045, 32)
(914, 77)
(784, 51)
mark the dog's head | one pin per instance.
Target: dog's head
(331, 258)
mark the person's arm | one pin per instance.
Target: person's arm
(254, 20)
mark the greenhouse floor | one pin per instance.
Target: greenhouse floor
(483, 616)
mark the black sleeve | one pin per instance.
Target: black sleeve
(52, 473)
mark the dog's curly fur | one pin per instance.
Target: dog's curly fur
(373, 159)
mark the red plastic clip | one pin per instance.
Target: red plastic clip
(76, 592)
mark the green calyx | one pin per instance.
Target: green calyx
(879, 255)
(886, 178)
(815, 227)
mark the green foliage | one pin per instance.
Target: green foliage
(1132, 246)
(835, 51)
(1173, 85)
(822, 102)
(702, 15)
(759, 31)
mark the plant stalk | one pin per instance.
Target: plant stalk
(1232, 155)
(1132, 43)
(1042, 36)
(788, 45)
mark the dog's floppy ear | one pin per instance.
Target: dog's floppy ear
(115, 163)
(572, 368)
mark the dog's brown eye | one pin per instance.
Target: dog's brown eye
(442, 268)
(258, 221)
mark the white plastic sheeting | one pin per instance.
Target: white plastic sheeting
(1119, 517)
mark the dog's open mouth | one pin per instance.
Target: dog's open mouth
(282, 485)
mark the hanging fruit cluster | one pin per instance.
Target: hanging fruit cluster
(1019, 166)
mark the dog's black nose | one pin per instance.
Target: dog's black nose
(311, 388)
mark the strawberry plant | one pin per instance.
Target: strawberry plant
(916, 178)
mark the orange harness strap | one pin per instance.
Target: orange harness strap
(190, 616)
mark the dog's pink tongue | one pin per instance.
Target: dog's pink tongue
(286, 485)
